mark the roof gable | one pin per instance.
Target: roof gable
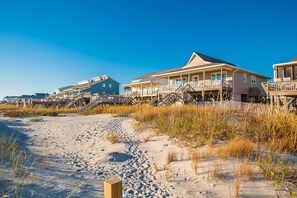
(198, 59)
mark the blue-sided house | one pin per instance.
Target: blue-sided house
(101, 85)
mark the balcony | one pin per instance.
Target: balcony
(140, 93)
(287, 86)
(199, 86)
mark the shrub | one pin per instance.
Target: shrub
(113, 137)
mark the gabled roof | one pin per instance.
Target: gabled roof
(294, 59)
(211, 59)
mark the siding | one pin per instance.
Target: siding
(241, 87)
(99, 89)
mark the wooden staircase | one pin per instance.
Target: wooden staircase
(106, 99)
(180, 94)
(265, 87)
(75, 100)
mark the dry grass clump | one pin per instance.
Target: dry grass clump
(169, 176)
(236, 187)
(217, 172)
(195, 158)
(236, 148)
(156, 168)
(246, 170)
(113, 138)
(37, 111)
(171, 156)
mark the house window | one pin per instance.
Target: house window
(103, 85)
(244, 78)
(254, 80)
(195, 80)
(110, 85)
(217, 76)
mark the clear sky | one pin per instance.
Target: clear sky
(46, 44)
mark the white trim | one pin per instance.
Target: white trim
(283, 64)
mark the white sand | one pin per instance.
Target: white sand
(76, 158)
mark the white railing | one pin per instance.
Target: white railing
(198, 86)
(211, 84)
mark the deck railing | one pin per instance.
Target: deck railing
(139, 93)
(198, 86)
(282, 86)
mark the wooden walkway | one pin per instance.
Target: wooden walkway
(106, 99)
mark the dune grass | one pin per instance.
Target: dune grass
(13, 111)
(200, 125)
(229, 132)
(18, 163)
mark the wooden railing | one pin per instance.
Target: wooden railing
(106, 99)
(281, 86)
(139, 93)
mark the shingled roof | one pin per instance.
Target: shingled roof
(211, 59)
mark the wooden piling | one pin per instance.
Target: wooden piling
(113, 188)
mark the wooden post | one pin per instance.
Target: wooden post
(285, 103)
(271, 101)
(277, 101)
(113, 188)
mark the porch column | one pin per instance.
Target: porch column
(271, 101)
(203, 77)
(181, 79)
(277, 101)
(221, 96)
(141, 87)
(203, 94)
(189, 79)
(158, 91)
(292, 73)
(168, 84)
(285, 103)
(151, 90)
(222, 78)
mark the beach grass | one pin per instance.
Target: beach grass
(13, 111)
(242, 133)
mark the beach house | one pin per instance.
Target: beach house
(283, 89)
(203, 78)
(101, 85)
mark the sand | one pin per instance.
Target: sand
(76, 158)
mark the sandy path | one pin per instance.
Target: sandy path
(77, 158)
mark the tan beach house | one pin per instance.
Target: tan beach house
(203, 78)
(283, 89)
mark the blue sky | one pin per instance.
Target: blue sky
(52, 43)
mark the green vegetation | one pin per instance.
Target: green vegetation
(36, 119)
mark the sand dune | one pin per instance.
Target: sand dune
(76, 158)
